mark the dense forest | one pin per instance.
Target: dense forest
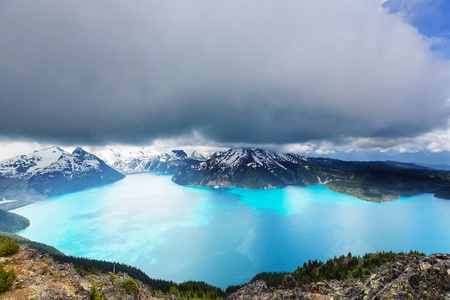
(11, 222)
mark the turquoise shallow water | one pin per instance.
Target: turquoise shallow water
(225, 236)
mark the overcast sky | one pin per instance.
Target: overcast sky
(324, 75)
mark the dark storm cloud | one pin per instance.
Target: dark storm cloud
(232, 71)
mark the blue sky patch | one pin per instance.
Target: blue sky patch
(430, 17)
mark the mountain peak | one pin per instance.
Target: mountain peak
(79, 150)
(52, 171)
(52, 149)
(179, 153)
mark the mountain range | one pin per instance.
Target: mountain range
(139, 161)
(260, 169)
(51, 171)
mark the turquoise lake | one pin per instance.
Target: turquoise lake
(226, 236)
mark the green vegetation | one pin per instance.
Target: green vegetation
(94, 294)
(94, 266)
(130, 286)
(199, 290)
(346, 266)
(271, 278)
(187, 289)
(337, 268)
(233, 288)
(112, 277)
(8, 247)
(174, 291)
(11, 222)
(6, 278)
(363, 192)
(35, 245)
(257, 178)
(377, 182)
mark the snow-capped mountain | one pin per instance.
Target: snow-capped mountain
(138, 161)
(52, 171)
(201, 156)
(170, 163)
(258, 168)
(241, 167)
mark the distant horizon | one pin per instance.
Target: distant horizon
(440, 159)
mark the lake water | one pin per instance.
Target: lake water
(226, 236)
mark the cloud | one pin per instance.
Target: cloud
(230, 71)
(437, 141)
(430, 17)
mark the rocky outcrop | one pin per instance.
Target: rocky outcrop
(409, 278)
(406, 278)
(40, 277)
(315, 291)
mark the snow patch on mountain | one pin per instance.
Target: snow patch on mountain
(140, 161)
(52, 171)
(234, 158)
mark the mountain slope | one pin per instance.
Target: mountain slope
(11, 222)
(258, 168)
(241, 167)
(49, 172)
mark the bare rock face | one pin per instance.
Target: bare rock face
(406, 278)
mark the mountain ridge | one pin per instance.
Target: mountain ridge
(260, 169)
(51, 171)
(139, 161)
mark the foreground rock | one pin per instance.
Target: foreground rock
(39, 277)
(406, 278)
